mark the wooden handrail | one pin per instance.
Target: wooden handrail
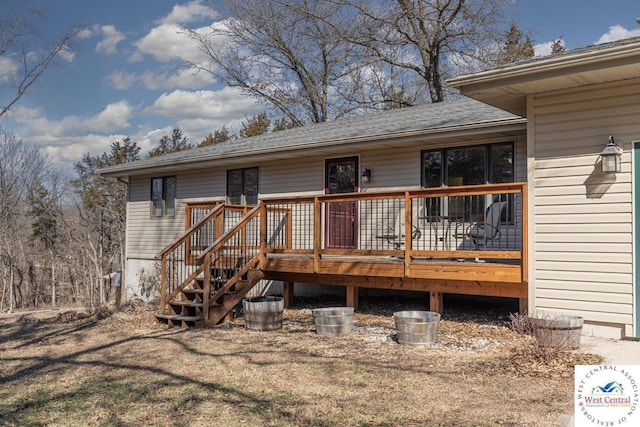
(195, 227)
(219, 243)
(463, 190)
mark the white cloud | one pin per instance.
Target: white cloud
(167, 43)
(182, 79)
(8, 69)
(196, 113)
(65, 141)
(86, 33)
(189, 12)
(222, 104)
(110, 39)
(617, 32)
(201, 112)
(66, 54)
(169, 40)
(114, 116)
(39, 130)
(544, 49)
(122, 80)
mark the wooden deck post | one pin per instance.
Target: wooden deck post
(287, 294)
(436, 302)
(352, 296)
(523, 305)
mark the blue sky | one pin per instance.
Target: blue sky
(121, 78)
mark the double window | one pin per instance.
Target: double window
(163, 196)
(474, 165)
(479, 164)
(242, 186)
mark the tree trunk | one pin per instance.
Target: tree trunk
(4, 287)
(12, 301)
(53, 283)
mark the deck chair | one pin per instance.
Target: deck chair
(482, 231)
(395, 234)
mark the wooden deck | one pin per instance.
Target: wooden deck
(498, 278)
(336, 240)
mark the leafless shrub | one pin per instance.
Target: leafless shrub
(521, 323)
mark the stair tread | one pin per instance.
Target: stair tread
(177, 317)
(187, 303)
(193, 290)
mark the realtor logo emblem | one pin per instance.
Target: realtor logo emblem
(607, 395)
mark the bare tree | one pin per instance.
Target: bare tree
(98, 226)
(428, 38)
(283, 53)
(22, 168)
(26, 53)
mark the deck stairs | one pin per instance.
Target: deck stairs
(208, 295)
(187, 309)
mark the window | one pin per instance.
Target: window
(478, 164)
(242, 186)
(163, 196)
(474, 165)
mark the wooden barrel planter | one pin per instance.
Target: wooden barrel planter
(263, 313)
(556, 330)
(333, 321)
(417, 327)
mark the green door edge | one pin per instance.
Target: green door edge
(636, 234)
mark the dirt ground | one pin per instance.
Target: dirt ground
(113, 369)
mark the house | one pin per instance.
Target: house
(499, 193)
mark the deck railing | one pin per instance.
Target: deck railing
(230, 256)
(179, 261)
(447, 222)
(433, 224)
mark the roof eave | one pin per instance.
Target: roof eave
(547, 66)
(506, 87)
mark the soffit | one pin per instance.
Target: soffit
(507, 88)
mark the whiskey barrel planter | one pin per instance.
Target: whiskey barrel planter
(556, 330)
(263, 313)
(417, 327)
(333, 321)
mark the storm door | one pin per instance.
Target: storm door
(341, 217)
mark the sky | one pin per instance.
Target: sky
(122, 77)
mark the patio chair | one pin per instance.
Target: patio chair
(482, 231)
(395, 234)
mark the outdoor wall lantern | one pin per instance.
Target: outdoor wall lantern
(611, 157)
(366, 176)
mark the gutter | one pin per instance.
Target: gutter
(551, 64)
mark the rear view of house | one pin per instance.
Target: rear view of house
(501, 195)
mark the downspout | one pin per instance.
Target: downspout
(123, 261)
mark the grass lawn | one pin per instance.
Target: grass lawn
(125, 369)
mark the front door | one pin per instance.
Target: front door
(341, 176)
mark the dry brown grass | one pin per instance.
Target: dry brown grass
(126, 369)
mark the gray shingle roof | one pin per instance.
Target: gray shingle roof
(591, 49)
(374, 126)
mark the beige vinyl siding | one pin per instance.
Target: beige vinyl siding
(147, 235)
(393, 167)
(202, 184)
(302, 176)
(583, 218)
